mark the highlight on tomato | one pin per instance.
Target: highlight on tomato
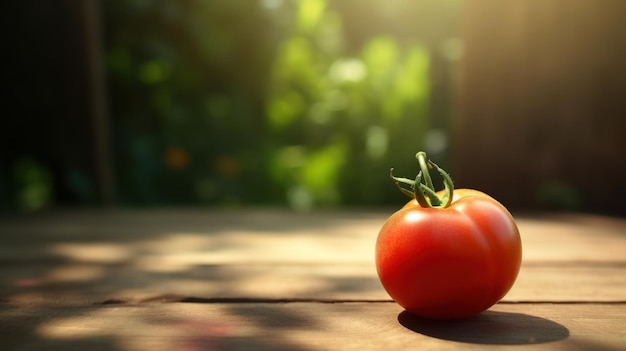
(449, 254)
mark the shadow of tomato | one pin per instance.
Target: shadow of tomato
(489, 327)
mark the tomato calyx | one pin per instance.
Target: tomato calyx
(422, 188)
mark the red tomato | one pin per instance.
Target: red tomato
(449, 262)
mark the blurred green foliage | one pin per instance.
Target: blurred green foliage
(34, 184)
(304, 103)
(270, 102)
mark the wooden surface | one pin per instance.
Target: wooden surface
(192, 279)
(541, 102)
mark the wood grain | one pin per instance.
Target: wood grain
(540, 103)
(191, 279)
(78, 284)
(201, 237)
(309, 326)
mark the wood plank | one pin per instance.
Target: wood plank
(309, 326)
(541, 103)
(80, 284)
(202, 237)
(117, 280)
(89, 257)
(569, 284)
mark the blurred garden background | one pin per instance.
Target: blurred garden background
(307, 104)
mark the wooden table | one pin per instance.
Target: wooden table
(260, 279)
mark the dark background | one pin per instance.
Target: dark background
(307, 104)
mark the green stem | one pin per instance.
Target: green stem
(429, 187)
(424, 166)
(399, 180)
(448, 184)
(418, 191)
(425, 193)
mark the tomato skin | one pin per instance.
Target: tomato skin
(449, 263)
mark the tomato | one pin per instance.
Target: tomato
(449, 261)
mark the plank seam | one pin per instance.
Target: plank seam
(243, 300)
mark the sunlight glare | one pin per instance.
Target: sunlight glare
(92, 252)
